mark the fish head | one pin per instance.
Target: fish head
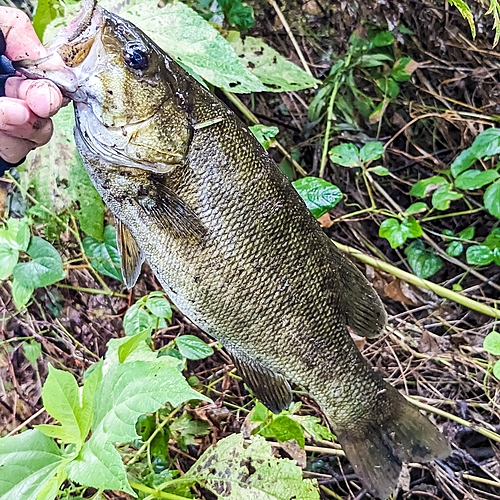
(129, 107)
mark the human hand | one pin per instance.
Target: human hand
(27, 105)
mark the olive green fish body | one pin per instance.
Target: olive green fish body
(196, 196)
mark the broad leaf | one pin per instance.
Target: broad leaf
(32, 350)
(397, 233)
(271, 68)
(159, 306)
(137, 320)
(28, 461)
(16, 234)
(479, 255)
(346, 155)
(493, 239)
(424, 187)
(45, 269)
(492, 199)
(250, 472)
(284, 428)
(21, 294)
(319, 195)
(265, 135)
(416, 208)
(424, 263)
(443, 196)
(403, 69)
(455, 248)
(492, 343)
(8, 260)
(104, 256)
(371, 151)
(475, 179)
(192, 347)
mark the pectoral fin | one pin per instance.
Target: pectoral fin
(173, 214)
(269, 387)
(131, 254)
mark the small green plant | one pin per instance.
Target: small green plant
(492, 345)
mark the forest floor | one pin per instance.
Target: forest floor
(432, 348)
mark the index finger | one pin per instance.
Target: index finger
(20, 37)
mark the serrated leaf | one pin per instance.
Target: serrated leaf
(104, 255)
(192, 41)
(44, 269)
(250, 472)
(192, 347)
(283, 428)
(265, 135)
(159, 306)
(319, 195)
(491, 343)
(416, 208)
(28, 461)
(346, 155)
(91, 211)
(492, 199)
(371, 151)
(137, 320)
(425, 187)
(475, 179)
(443, 196)
(424, 263)
(32, 351)
(21, 294)
(61, 398)
(403, 69)
(269, 66)
(479, 255)
(100, 466)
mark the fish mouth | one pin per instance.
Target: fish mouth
(72, 45)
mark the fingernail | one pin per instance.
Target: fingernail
(55, 100)
(13, 113)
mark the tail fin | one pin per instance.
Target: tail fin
(378, 449)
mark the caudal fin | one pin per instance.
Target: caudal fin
(377, 451)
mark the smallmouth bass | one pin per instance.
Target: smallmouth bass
(235, 248)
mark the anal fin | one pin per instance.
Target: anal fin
(131, 254)
(269, 387)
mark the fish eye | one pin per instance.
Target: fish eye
(135, 57)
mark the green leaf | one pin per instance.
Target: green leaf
(454, 249)
(61, 398)
(16, 234)
(159, 306)
(284, 428)
(137, 320)
(195, 43)
(312, 425)
(493, 239)
(425, 187)
(397, 233)
(46, 11)
(265, 135)
(91, 211)
(192, 347)
(475, 179)
(104, 256)
(479, 255)
(21, 294)
(45, 269)
(346, 155)
(8, 260)
(416, 208)
(237, 14)
(464, 9)
(275, 72)
(371, 151)
(403, 69)
(250, 472)
(184, 430)
(319, 195)
(32, 351)
(28, 462)
(491, 343)
(496, 369)
(132, 343)
(442, 197)
(462, 162)
(389, 87)
(379, 170)
(467, 234)
(382, 39)
(492, 199)
(487, 143)
(424, 263)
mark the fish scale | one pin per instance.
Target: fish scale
(233, 245)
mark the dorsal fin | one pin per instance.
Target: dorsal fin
(269, 387)
(131, 254)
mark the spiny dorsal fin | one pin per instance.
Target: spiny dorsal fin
(131, 254)
(269, 387)
(365, 313)
(173, 214)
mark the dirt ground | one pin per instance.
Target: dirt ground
(432, 348)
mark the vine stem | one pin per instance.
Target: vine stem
(420, 282)
(155, 493)
(329, 119)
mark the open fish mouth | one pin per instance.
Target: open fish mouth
(72, 45)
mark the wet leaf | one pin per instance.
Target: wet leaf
(44, 269)
(425, 187)
(492, 199)
(16, 234)
(346, 155)
(475, 179)
(479, 255)
(372, 151)
(192, 347)
(424, 262)
(318, 194)
(104, 256)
